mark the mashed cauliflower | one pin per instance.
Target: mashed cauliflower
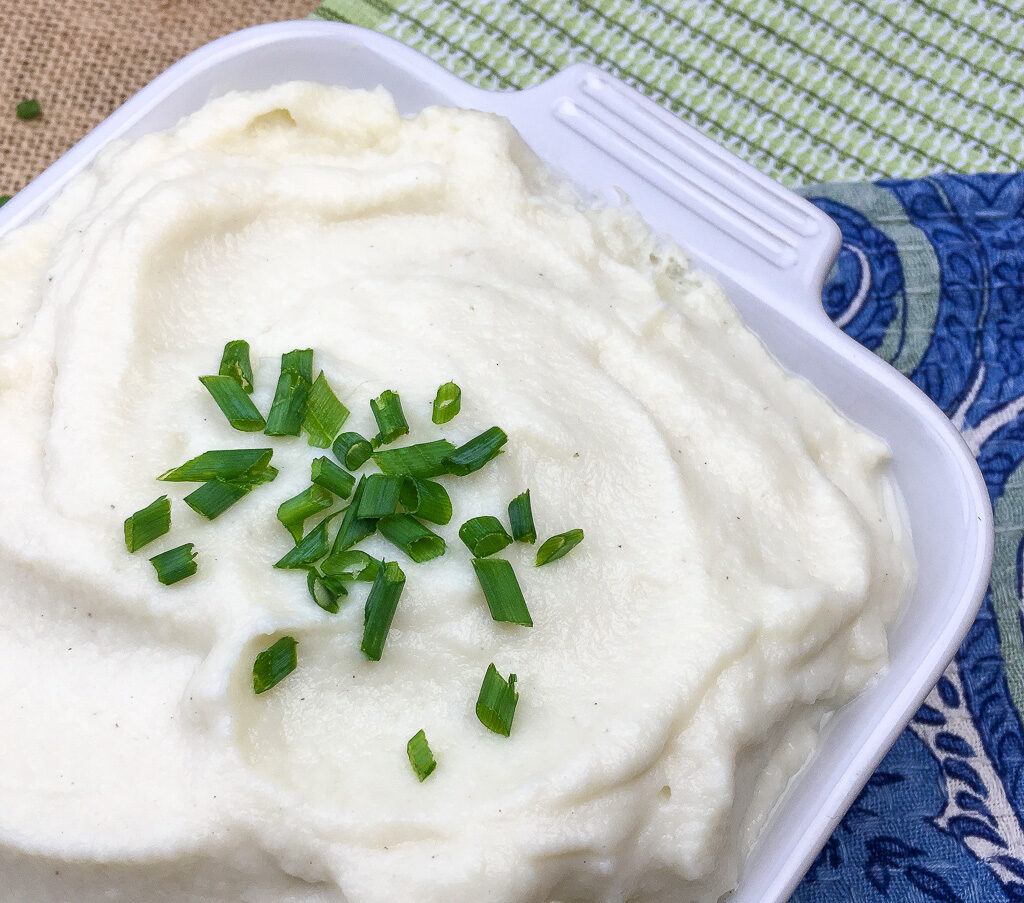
(743, 553)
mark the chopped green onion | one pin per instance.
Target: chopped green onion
(426, 499)
(241, 413)
(28, 109)
(326, 590)
(484, 536)
(299, 362)
(311, 548)
(447, 403)
(520, 515)
(562, 544)
(418, 542)
(274, 664)
(288, 409)
(354, 564)
(147, 524)
(391, 422)
(477, 452)
(175, 564)
(427, 459)
(420, 756)
(235, 362)
(324, 472)
(381, 494)
(352, 450)
(229, 464)
(381, 604)
(4, 198)
(325, 415)
(258, 477)
(214, 497)
(496, 704)
(294, 512)
(353, 527)
(501, 590)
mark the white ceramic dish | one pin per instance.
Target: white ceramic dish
(771, 250)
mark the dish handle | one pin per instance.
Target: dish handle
(730, 217)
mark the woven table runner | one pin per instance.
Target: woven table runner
(805, 90)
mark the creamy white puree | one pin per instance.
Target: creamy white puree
(742, 555)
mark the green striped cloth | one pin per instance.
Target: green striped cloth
(806, 90)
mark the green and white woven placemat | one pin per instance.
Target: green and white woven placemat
(806, 90)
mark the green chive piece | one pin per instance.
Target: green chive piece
(4, 198)
(426, 499)
(274, 664)
(294, 512)
(241, 413)
(288, 410)
(175, 564)
(258, 477)
(236, 363)
(229, 464)
(354, 528)
(484, 536)
(502, 592)
(214, 497)
(496, 704)
(28, 109)
(147, 524)
(520, 516)
(420, 757)
(381, 604)
(324, 472)
(326, 590)
(353, 564)
(427, 459)
(477, 452)
(299, 362)
(561, 544)
(325, 415)
(311, 548)
(352, 450)
(447, 403)
(381, 494)
(391, 422)
(417, 541)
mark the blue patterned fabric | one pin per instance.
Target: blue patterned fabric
(931, 278)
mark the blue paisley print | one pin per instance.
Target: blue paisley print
(931, 277)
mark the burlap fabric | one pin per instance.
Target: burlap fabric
(83, 59)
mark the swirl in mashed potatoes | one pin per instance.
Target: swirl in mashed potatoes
(743, 558)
